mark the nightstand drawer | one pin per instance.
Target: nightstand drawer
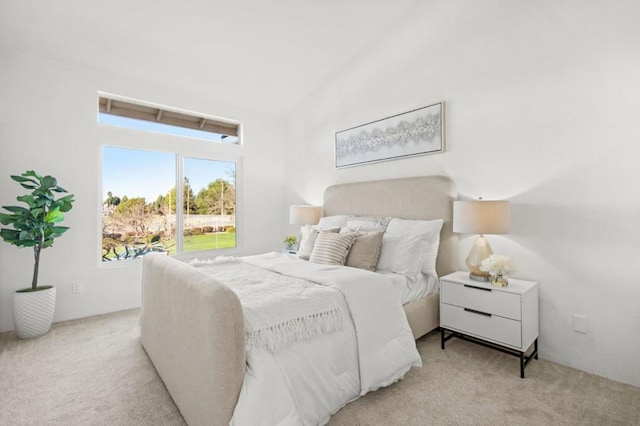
(498, 329)
(480, 299)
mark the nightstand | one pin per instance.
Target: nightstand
(501, 318)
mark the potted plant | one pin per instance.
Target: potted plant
(35, 226)
(290, 242)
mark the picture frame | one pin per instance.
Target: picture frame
(412, 133)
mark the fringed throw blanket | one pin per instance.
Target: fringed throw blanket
(278, 310)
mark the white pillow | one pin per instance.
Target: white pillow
(433, 243)
(405, 246)
(368, 224)
(336, 221)
(308, 236)
(332, 248)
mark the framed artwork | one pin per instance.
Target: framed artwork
(416, 132)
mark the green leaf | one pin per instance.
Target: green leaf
(21, 179)
(29, 199)
(6, 219)
(64, 203)
(26, 235)
(60, 229)
(28, 186)
(59, 189)
(43, 192)
(54, 216)
(16, 209)
(49, 182)
(56, 231)
(33, 174)
(66, 198)
(9, 234)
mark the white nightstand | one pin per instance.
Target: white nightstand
(502, 318)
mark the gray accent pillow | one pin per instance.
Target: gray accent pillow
(365, 251)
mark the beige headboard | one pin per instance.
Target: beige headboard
(424, 197)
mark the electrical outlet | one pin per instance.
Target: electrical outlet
(75, 288)
(580, 323)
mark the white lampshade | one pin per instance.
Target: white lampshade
(481, 217)
(304, 215)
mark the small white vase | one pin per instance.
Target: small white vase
(33, 312)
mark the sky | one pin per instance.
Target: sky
(132, 123)
(138, 173)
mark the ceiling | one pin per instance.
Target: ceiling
(269, 55)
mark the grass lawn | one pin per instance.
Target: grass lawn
(211, 241)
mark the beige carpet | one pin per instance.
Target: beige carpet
(94, 372)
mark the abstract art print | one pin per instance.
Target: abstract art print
(416, 132)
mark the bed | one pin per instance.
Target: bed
(193, 326)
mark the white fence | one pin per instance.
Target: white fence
(200, 220)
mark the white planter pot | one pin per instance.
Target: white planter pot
(33, 312)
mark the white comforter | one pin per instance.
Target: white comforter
(308, 381)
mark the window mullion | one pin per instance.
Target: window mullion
(179, 204)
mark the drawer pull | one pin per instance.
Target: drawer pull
(477, 288)
(473, 311)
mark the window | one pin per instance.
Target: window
(140, 194)
(159, 119)
(209, 204)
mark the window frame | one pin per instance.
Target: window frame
(181, 147)
(176, 117)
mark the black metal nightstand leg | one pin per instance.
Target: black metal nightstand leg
(524, 360)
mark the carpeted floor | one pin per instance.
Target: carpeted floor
(94, 372)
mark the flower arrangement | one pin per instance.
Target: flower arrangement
(290, 241)
(498, 265)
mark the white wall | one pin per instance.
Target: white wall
(48, 123)
(542, 104)
(541, 100)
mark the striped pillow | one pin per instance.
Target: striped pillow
(331, 248)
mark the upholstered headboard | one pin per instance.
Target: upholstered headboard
(424, 197)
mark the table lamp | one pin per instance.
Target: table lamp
(480, 217)
(304, 215)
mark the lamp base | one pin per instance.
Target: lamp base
(479, 252)
(483, 277)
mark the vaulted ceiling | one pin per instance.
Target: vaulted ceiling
(269, 54)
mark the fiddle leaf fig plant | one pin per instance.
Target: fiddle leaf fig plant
(36, 225)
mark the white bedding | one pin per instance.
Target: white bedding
(305, 383)
(411, 290)
(278, 310)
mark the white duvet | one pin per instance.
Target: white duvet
(303, 384)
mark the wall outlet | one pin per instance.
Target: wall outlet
(75, 288)
(580, 323)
